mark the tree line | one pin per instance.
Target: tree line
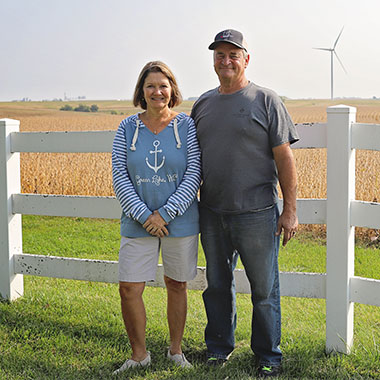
(80, 108)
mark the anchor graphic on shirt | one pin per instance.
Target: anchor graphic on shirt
(156, 143)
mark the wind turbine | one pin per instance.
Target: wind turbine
(332, 52)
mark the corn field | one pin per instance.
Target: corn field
(90, 173)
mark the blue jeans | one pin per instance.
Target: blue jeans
(252, 236)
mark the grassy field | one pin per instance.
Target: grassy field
(56, 236)
(65, 329)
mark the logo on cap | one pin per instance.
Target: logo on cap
(227, 34)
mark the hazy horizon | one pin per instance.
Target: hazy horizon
(184, 99)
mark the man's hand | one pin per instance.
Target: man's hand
(155, 225)
(288, 222)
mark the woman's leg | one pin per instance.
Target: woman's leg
(133, 310)
(176, 311)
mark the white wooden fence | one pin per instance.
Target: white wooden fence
(341, 135)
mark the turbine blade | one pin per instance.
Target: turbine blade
(336, 55)
(338, 38)
(323, 49)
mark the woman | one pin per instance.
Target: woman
(156, 175)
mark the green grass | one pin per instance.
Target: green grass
(100, 239)
(64, 329)
(71, 237)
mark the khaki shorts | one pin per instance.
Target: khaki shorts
(138, 258)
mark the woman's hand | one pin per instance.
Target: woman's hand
(155, 225)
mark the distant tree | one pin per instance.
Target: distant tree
(94, 108)
(113, 112)
(66, 107)
(82, 108)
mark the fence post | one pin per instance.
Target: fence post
(340, 234)
(11, 284)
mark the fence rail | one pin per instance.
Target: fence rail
(341, 135)
(62, 142)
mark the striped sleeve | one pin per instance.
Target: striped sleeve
(130, 202)
(187, 190)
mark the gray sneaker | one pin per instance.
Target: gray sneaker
(132, 363)
(179, 359)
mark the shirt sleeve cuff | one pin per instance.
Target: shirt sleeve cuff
(164, 214)
(142, 219)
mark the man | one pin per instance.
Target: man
(245, 134)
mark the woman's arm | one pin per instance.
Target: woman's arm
(129, 200)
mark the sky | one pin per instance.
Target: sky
(97, 48)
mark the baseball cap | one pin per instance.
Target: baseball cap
(232, 36)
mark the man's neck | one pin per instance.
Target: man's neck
(229, 87)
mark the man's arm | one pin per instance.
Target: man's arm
(287, 177)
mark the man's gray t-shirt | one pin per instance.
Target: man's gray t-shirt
(236, 133)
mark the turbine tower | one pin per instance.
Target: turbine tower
(332, 52)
